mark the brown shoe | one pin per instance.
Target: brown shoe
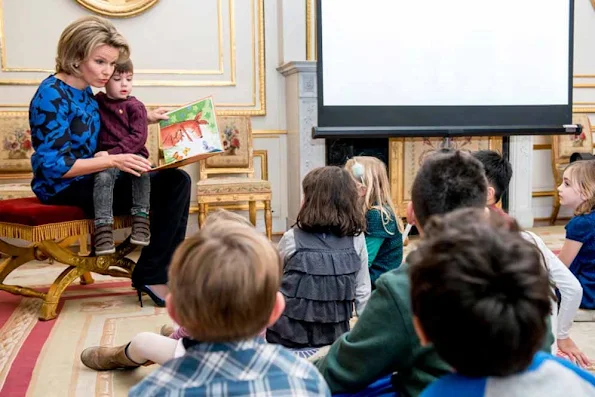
(167, 330)
(104, 239)
(141, 231)
(107, 358)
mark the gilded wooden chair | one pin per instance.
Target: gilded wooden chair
(562, 148)
(229, 177)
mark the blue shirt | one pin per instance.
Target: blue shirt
(64, 125)
(581, 228)
(248, 368)
(546, 376)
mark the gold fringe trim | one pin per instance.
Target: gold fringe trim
(56, 231)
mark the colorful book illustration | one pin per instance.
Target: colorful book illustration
(190, 134)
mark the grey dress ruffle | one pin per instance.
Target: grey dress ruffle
(319, 283)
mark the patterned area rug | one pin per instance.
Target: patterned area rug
(41, 359)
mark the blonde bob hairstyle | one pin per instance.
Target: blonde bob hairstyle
(84, 35)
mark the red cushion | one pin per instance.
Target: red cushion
(30, 211)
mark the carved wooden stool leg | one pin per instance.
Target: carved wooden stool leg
(252, 212)
(15, 257)
(202, 214)
(50, 303)
(87, 278)
(268, 219)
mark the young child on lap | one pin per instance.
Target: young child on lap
(224, 286)
(499, 172)
(123, 130)
(384, 228)
(325, 264)
(481, 295)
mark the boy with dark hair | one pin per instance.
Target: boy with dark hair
(498, 171)
(483, 304)
(383, 341)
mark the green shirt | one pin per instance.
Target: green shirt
(383, 341)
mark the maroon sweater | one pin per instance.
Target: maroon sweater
(123, 125)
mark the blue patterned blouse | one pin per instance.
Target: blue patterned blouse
(64, 125)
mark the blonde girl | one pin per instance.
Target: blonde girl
(384, 227)
(577, 192)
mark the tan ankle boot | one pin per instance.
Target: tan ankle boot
(107, 358)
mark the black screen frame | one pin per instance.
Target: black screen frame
(404, 121)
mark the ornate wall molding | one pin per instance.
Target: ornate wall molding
(118, 8)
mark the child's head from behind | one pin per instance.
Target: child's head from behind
(498, 172)
(577, 189)
(447, 181)
(119, 85)
(331, 203)
(224, 215)
(479, 293)
(224, 283)
(371, 173)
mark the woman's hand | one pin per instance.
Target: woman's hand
(131, 163)
(568, 347)
(155, 115)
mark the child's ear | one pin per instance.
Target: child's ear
(491, 195)
(277, 309)
(423, 340)
(410, 214)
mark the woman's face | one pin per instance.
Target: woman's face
(97, 69)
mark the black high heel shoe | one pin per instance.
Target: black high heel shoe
(157, 300)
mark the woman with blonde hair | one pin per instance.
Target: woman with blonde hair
(384, 227)
(64, 121)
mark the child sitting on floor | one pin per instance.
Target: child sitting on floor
(577, 192)
(384, 228)
(325, 264)
(481, 295)
(499, 172)
(150, 347)
(224, 284)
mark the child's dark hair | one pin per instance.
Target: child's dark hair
(480, 292)
(448, 180)
(124, 67)
(331, 203)
(498, 171)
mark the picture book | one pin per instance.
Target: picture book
(189, 135)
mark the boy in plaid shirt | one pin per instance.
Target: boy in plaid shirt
(224, 285)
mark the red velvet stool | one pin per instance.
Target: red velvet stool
(50, 231)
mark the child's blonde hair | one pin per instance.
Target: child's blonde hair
(371, 173)
(224, 281)
(222, 214)
(582, 174)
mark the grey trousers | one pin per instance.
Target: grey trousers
(103, 194)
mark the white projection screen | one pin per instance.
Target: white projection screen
(444, 66)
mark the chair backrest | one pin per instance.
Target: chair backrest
(238, 155)
(15, 144)
(564, 145)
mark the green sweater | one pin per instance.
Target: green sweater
(383, 341)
